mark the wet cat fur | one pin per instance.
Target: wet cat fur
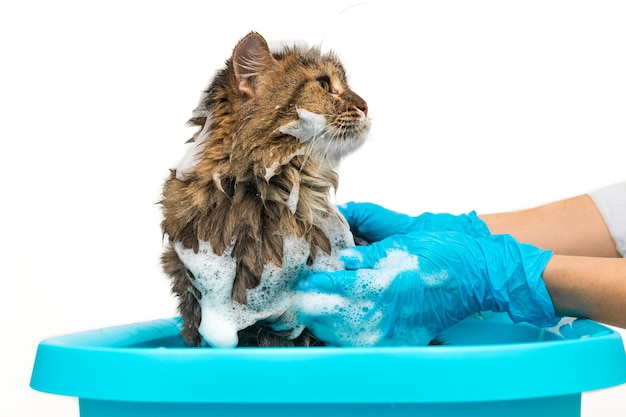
(230, 197)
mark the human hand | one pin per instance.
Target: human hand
(373, 222)
(406, 289)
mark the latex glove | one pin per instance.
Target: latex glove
(406, 289)
(373, 222)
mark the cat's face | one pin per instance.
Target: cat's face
(310, 96)
(294, 100)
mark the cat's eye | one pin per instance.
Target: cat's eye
(324, 82)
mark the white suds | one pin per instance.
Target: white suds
(358, 319)
(294, 196)
(217, 179)
(272, 169)
(397, 260)
(309, 126)
(222, 317)
(353, 253)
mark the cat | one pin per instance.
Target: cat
(248, 210)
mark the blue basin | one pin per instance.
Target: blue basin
(488, 367)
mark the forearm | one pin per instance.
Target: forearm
(588, 287)
(572, 226)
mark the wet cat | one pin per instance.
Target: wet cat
(248, 209)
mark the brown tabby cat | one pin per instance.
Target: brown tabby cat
(248, 210)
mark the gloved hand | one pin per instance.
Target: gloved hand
(373, 222)
(406, 289)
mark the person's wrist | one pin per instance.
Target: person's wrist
(514, 279)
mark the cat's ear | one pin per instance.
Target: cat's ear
(251, 57)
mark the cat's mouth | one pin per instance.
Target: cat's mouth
(342, 137)
(351, 127)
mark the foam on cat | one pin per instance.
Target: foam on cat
(294, 196)
(217, 180)
(271, 170)
(223, 317)
(308, 126)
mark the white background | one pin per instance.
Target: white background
(476, 105)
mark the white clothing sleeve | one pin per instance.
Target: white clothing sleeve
(611, 202)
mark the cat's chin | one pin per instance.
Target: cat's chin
(338, 148)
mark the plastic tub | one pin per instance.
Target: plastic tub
(488, 368)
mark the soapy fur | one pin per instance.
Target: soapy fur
(248, 209)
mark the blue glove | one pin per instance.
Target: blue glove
(373, 222)
(406, 289)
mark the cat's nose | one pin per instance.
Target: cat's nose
(354, 99)
(362, 106)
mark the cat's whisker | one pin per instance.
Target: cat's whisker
(307, 156)
(319, 164)
(330, 142)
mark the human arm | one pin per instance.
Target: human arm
(587, 275)
(588, 287)
(572, 226)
